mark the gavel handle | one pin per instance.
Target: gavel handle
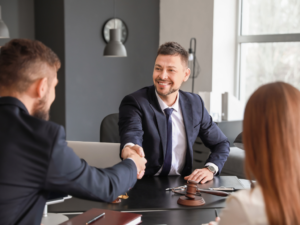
(218, 193)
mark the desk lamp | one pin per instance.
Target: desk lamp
(4, 33)
(115, 47)
(193, 62)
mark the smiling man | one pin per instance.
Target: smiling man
(161, 122)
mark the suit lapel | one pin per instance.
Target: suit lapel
(186, 109)
(160, 118)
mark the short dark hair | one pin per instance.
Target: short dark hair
(19, 59)
(173, 48)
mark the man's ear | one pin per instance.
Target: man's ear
(187, 73)
(42, 87)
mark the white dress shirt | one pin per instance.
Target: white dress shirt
(179, 143)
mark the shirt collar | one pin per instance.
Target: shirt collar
(163, 105)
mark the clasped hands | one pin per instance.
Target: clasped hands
(136, 153)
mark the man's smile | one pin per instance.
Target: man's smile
(164, 83)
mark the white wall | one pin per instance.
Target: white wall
(213, 24)
(224, 46)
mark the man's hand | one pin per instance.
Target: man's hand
(202, 175)
(136, 153)
(129, 150)
(140, 174)
(140, 163)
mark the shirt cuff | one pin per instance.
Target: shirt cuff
(214, 166)
(129, 144)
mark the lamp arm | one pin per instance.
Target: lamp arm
(195, 42)
(194, 60)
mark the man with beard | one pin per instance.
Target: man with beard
(162, 122)
(34, 156)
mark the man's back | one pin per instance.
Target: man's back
(35, 160)
(25, 150)
(34, 156)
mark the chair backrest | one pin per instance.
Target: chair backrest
(231, 129)
(109, 129)
(97, 154)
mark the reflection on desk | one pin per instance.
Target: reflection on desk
(149, 194)
(176, 217)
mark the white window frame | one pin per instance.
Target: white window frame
(265, 38)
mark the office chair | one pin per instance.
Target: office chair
(109, 129)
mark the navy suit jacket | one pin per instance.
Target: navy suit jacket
(142, 122)
(35, 159)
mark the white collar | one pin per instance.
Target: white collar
(163, 105)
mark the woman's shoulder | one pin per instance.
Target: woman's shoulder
(252, 197)
(245, 207)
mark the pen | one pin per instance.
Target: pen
(97, 217)
(216, 212)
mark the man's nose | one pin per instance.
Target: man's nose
(164, 75)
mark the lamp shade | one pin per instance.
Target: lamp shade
(191, 55)
(4, 33)
(238, 142)
(115, 47)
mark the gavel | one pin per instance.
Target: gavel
(190, 198)
(193, 186)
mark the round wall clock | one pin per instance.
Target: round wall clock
(115, 24)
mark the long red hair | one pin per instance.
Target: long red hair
(271, 136)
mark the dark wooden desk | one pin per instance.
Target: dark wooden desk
(179, 217)
(176, 217)
(150, 194)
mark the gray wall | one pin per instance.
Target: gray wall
(18, 16)
(213, 23)
(195, 20)
(95, 85)
(90, 85)
(49, 26)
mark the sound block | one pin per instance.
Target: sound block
(118, 200)
(197, 201)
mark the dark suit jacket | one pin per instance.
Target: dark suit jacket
(142, 122)
(35, 159)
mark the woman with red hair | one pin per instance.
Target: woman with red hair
(271, 136)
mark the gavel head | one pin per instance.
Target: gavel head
(190, 199)
(191, 189)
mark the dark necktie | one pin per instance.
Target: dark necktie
(168, 157)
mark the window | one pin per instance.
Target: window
(268, 44)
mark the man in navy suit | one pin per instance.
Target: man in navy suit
(162, 122)
(34, 156)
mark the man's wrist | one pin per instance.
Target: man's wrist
(124, 155)
(134, 164)
(215, 168)
(213, 172)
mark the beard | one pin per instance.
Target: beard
(171, 90)
(40, 111)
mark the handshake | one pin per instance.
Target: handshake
(136, 153)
